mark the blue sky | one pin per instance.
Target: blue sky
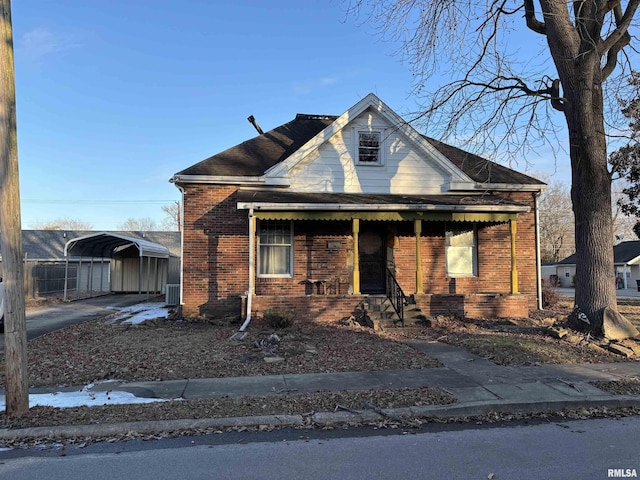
(113, 97)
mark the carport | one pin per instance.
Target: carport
(105, 245)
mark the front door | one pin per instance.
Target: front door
(372, 248)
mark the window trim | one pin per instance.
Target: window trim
(259, 249)
(474, 251)
(381, 146)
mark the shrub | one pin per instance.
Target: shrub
(278, 320)
(550, 297)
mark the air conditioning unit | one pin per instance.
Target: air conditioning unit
(172, 297)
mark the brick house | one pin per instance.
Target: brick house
(323, 212)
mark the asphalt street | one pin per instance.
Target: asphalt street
(585, 449)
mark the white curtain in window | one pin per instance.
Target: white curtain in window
(274, 254)
(461, 247)
(275, 260)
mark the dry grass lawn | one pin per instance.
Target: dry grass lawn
(176, 349)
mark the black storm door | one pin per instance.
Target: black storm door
(372, 248)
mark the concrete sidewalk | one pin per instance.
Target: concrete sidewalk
(478, 385)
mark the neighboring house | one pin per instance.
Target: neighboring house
(46, 264)
(626, 261)
(318, 214)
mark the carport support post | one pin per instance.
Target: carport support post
(148, 276)
(102, 275)
(140, 276)
(78, 278)
(91, 278)
(66, 277)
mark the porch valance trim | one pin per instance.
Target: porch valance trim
(388, 216)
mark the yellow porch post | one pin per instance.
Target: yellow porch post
(514, 270)
(356, 257)
(417, 227)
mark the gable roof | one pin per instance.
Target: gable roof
(625, 252)
(252, 159)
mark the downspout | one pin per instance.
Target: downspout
(181, 189)
(252, 234)
(536, 197)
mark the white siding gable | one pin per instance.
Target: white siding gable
(405, 168)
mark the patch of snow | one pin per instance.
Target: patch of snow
(82, 398)
(143, 311)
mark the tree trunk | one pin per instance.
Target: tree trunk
(15, 330)
(591, 197)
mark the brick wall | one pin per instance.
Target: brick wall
(215, 261)
(215, 251)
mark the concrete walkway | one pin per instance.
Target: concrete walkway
(478, 385)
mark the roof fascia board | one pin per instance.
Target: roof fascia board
(510, 187)
(632, 261)
(219, 179)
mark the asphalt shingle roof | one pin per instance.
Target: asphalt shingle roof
(255, 156)
(622, 253)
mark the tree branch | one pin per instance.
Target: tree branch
(623, 21)
(532, 22)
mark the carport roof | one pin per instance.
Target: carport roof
(104, 245)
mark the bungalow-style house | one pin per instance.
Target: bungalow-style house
(626, 261)
(324, 211)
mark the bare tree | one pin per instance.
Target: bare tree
(63, 223)
(626, 162)
(15, 332)
(173, 220)
(623, 223)
(505, 89)
(146, 224)
(556, 223)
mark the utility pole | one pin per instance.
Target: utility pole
(15, 324)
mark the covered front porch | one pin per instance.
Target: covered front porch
(460, 261)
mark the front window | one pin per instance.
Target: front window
(275, 252)
(461, 252)
(369, 148)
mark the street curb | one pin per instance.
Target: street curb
(453, 412)
(79, 431)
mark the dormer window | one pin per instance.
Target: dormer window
(370, 148)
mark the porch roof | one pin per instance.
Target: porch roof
(285, 205)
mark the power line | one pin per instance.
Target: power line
(95, 202)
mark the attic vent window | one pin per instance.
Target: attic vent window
(369, 148)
